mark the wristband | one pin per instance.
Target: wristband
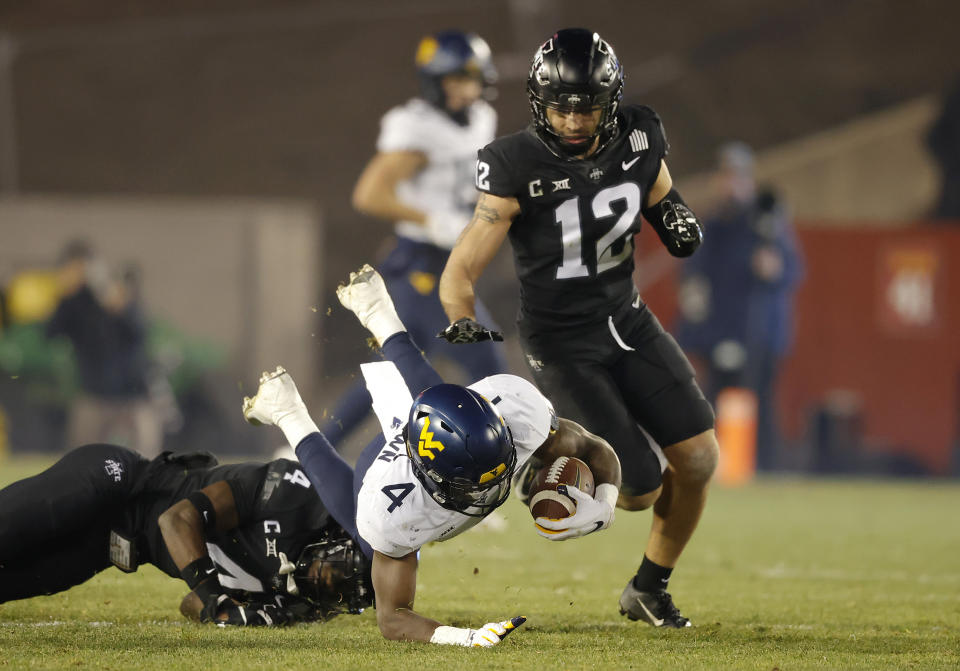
(608, 493)
(444, 635)
(198, 571)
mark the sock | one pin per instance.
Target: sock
(296, 424)
(384, 323)
(332, 478)
(651, 577)
(414, 368)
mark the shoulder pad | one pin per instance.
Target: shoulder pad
(639, 114)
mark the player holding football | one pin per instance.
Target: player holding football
(569, 192)
(253, 541)
(421, 178)
(444, 462)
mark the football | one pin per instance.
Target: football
(545, 500)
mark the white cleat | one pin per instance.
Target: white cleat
(366, 296)
(276, 398)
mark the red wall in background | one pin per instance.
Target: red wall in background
(878, 315)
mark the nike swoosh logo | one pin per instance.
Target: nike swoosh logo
(656, 622)
(626, 165)
(599, 524)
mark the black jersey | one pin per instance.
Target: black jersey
(278, 512)
(573, 239)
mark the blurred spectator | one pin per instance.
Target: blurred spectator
(736, 292)
(99, 314)
(944, 143)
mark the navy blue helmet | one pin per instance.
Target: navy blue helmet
(452, 52)
(575, 69)
(461, 449)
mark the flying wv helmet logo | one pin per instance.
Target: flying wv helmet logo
(493, 473)
(427, 444)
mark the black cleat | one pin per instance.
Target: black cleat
(654, 608)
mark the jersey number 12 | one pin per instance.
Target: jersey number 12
(567, 215)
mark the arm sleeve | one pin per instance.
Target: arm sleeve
(651, 124)
(494, 173)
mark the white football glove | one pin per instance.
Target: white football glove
(486, 636)
(445, 227)
(593, 514)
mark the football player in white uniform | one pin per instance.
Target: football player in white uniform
(422, 180)
(445, 461)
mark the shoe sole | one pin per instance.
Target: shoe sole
(362, 278)
(635, 618)
(248, 402)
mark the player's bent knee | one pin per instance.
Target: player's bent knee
(695, 460)
(641, 502)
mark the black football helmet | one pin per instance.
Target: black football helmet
(448, 53)
(333, 574)
(575, 69)
(461, 449)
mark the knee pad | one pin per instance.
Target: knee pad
(638, 502)
(641, 475)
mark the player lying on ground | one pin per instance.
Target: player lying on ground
(445, 461)
(253, 541)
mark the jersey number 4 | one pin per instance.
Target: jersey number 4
(396, 494)
(613, 247)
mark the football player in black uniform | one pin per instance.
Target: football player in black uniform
(569, 192)
(253, 541)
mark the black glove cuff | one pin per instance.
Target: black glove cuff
(211, 607)
(677, 227)
(198, 571)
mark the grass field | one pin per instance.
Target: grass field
(783, 574)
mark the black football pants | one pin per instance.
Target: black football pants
(55, 526)
(615, 377)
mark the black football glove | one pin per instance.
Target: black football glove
(252, 613)
(466, 330)
(678, 218)
(682, 226)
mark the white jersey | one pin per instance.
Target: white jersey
(395, 514)
(446, 183)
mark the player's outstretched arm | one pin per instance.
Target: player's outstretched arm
(475, 248)
(572, 440)
(395, 584)
(593, 513)
(184, 527)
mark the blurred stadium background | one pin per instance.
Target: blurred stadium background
(215, 146)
